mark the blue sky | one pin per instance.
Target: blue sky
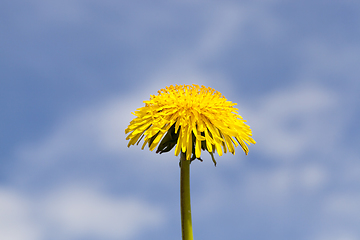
(71, 73)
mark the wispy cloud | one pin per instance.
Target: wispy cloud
(74, 212)
(296, 120)
(82, 212)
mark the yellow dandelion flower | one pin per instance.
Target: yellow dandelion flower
(192, 118)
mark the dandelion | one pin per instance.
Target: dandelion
(192, 118)
(189, 118)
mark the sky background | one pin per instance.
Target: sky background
(72, 71)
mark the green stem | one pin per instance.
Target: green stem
(186, 225)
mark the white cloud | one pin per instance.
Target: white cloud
(336, 235)
(15, 217)
(297, 120)
(228, 22)
(343, 206)
(101, 127)
(312, 177)
(222, 28)
(279, 184)
(62, 11)
(323, 58)
(88, 138)
(74, 212)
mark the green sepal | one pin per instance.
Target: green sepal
(169, 141)
(153, 138)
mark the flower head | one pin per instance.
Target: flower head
(192, 118)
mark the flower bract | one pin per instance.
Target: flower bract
(189, 118)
